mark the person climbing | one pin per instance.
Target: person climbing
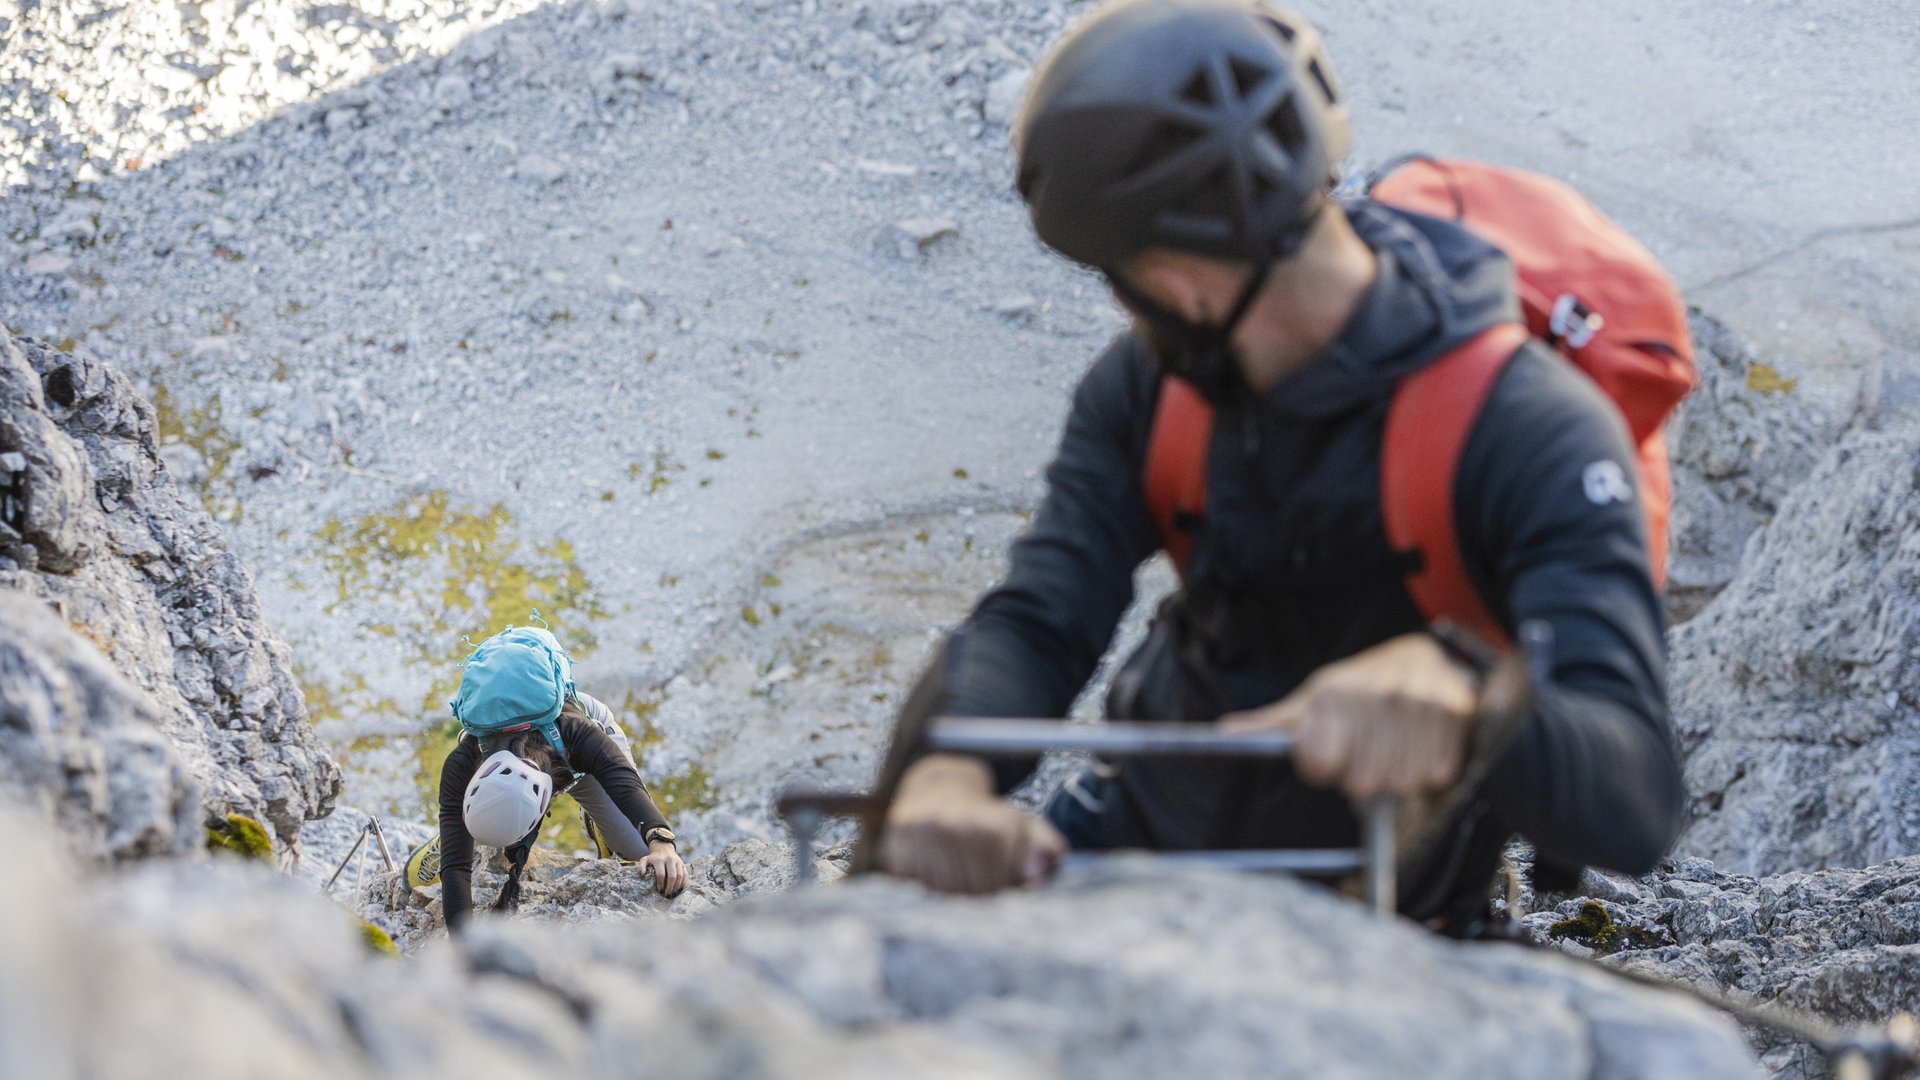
(1187, 151)
(527, 734)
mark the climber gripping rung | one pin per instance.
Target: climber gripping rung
(1112, 739)
(806, 808)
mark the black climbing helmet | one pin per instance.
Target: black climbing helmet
(1209, 126)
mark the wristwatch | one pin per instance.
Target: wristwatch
(659, 834)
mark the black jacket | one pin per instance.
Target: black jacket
(1291, 571)
(589, 753)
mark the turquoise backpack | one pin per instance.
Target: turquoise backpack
(518, 678)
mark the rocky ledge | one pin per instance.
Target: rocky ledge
(232, 970)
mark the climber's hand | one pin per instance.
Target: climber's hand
(669, 870)
(1392, 720)
(948, 830)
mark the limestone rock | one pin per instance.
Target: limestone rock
(1843, 945)
(753, 867)
(50, 529)
(1231, 976)
(84, 746)
(1740, 442)
(38, 991)
(104, 537)
(1795, 693)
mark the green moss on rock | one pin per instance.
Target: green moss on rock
(377, 939)
(1595, 928)
(241, 835)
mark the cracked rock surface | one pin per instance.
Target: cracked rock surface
(84, 746)
(1740, 442)
(105, 543)
(1843, 945)
(1795, 693)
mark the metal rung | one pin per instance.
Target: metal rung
(805, 809)
(1314, 862)
(1015, 738)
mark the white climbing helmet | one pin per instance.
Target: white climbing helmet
(506, 799)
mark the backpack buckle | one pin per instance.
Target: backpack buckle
(1573, 322)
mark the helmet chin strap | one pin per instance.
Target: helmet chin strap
(1202, 355)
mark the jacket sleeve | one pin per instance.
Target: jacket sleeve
(592, 752)
(1549, 516)
(456, 844)
(1033, 641)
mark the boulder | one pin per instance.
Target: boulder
(94, 528)
(1116, 974)
(1795, 693)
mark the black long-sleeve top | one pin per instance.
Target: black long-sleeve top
(590, 752)
(1292, 570)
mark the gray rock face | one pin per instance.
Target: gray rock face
(1840, 944)
(1118, 976)
(1225, 977)
(1795, 693)
(84, 746)
(1740, 442)
(96, 530)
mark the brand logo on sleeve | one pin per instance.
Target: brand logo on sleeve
(1606, 483)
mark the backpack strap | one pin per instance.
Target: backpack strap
(1432, 413)
(1176, 471)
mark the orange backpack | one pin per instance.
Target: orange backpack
(1586, 287)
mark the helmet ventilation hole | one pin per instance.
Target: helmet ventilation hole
(1286, 32)
(1283, 123)
(1247, 77)
(1320, 77)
